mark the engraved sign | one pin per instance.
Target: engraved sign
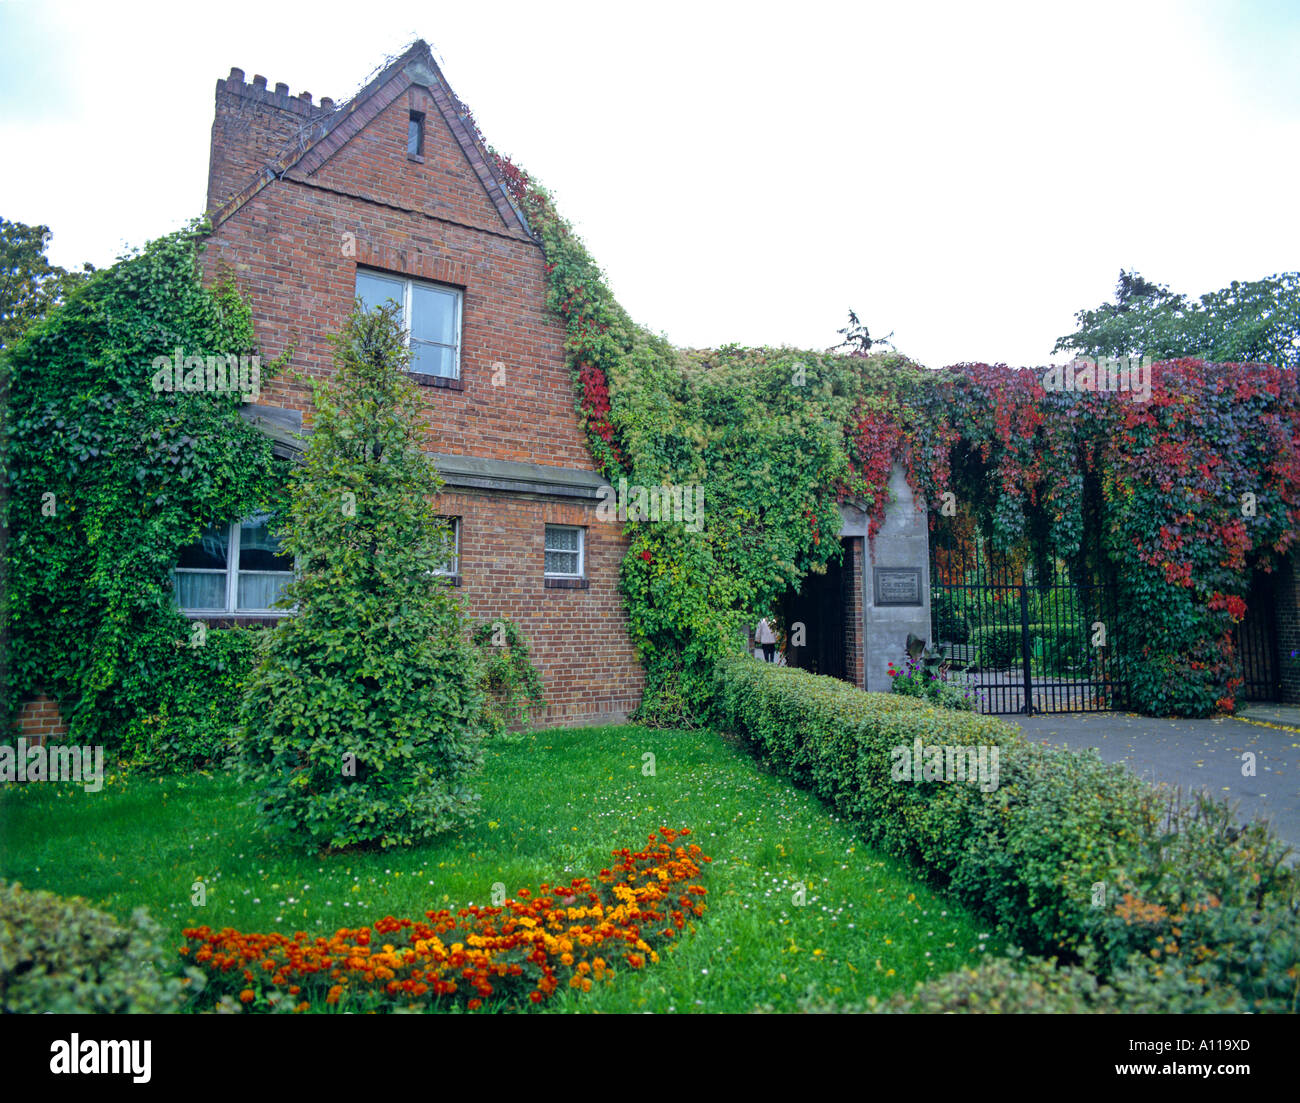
(898, 585)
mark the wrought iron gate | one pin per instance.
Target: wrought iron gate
(1255, 641)
(1025, 638)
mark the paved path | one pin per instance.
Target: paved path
(1198, 754)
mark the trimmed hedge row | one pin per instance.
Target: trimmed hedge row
(1040, 986)
(1072, 857)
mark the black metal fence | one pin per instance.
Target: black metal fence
(1024, 639)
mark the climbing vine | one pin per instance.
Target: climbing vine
(1195, 485)
(106, 479)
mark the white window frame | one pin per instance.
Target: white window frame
(582, 550)
(454, 524)
(408, 286)
(232, 573)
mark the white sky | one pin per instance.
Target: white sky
(967, 175)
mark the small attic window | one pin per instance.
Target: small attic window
(415, 134)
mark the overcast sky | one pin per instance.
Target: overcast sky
(967, 175)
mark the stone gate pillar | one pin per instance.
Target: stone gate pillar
(895, 580)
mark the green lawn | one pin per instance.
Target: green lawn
(554, 805)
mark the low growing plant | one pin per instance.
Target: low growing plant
(60, 955)
(515, 954)
(510, 682)
(928, 677)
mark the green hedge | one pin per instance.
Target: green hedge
(1062, 829)
(1058, 645)
(1041, 986)
(59, 954)
(997, 647)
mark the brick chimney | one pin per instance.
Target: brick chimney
(252, 126)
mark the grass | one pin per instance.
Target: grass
(555, 803)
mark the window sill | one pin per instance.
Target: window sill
(416, 157)
(436, 381)
(567, 583)
(237, 620)
(450, 579)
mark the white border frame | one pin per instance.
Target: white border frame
(408, 283)
(454, 523)
(232, 573)
(582, 551)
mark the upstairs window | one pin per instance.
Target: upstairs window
(235, 568)
(563, 552)
(431, 314)
(415, 134)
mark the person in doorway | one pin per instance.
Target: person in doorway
(766, 639)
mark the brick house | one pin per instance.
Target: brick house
(391, 196)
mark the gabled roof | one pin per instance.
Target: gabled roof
(318, 140)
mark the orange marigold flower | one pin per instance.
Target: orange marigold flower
(247, 996)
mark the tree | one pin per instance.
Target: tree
(858, 339)
(29, 284)
(1255, 322)
(361, 725)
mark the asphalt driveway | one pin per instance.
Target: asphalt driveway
(1198, 754)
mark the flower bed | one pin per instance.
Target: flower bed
(518, 954)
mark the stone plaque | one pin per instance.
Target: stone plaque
(898, 585)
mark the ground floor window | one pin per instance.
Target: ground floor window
(233, 568)
(452, 565)
(564, 551)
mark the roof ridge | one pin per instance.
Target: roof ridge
(314, 133)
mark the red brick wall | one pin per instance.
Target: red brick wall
(293, 250)
(295, 247)
(578, 637)
(253, 125)
(40, 719)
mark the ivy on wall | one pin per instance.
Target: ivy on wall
(1194, 486)
(106, 479)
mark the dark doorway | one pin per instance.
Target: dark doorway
(1255, 641)
(819, 609)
